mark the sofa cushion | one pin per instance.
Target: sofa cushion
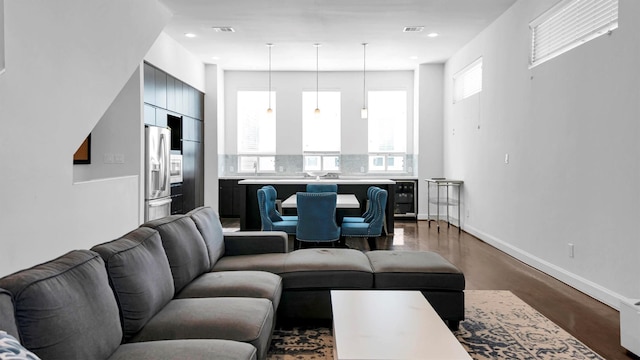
(139, 275)
(257, 284)
(11, 349)
(208, 223)
(414, 270)
(186, 349)
(241, 319)
(185, 248)
(273, 262)
(7, 315)
(327, 268)
(65, 308)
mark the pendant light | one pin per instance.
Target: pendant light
(269, 110)
(364, 113)
(317, 110)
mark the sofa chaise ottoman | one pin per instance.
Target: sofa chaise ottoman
(308, 275)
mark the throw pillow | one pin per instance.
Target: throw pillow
(11, 349)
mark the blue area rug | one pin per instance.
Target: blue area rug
(498, 325)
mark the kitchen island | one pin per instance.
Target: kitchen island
(250, 212)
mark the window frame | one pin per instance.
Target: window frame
(464, 76)
(594, 17)
(386, 156)
(259, 168)
(322, 157)
(273, 115)
(389, 153)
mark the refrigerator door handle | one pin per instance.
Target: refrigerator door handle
(164, 172)
(156, 203)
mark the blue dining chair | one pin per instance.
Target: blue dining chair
(372, 229)
(273, 196)
(313, 188)
(270, 217)
(370, 210)
(316, 218)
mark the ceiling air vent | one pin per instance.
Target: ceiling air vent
(413, 28)
(223, 29)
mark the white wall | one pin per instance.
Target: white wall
(570, 127)
(212, 73)
(289, 87)
(115, 140)
(63, 71)
(1, 36)
(169, 56)
(430, 102)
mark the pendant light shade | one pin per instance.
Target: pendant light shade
(364, 112)
(317, 110)
(269, 110)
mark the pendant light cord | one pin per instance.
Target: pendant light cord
(317, 50)
(364, 75)
(269, 75)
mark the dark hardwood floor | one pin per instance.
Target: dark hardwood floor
(486, 268)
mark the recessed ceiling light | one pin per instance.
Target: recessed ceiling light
(433, 34)
(223, 29)
(190, 35)
(413, 57)
(413, 29)
(215, 58)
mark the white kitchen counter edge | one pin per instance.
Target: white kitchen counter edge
(267, 181)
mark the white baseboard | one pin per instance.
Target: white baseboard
(586, 286)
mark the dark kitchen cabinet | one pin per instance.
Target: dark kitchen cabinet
(161, 89)
(229, 198)
(177, 206)
(192, 174)
(169, 102)
(149, 74)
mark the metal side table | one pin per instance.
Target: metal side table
(447, 200)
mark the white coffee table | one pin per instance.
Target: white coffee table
(390, 324)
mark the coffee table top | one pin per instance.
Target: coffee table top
(390, 324)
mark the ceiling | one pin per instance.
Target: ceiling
(340, 26)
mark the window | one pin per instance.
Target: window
(467, 81)
(387, 130)
(321, 132)
(256, 131)
(569, 24)
(313, 162)
(256, 164)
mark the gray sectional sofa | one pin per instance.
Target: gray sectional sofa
(179, 287)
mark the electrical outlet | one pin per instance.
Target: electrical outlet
(281, 168)
(108, 158)
(231, 168)
(361, 169)
(570, 248)
(118, 158)
(506, 158)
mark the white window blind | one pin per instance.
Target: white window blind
(256, 128)
(569, 24)
(321, 132)
(467, 81)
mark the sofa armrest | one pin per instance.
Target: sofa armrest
(255, 242)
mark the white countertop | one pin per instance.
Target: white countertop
(304, 181)
(343, 201)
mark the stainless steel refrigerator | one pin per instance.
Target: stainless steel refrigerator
(157, 186)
